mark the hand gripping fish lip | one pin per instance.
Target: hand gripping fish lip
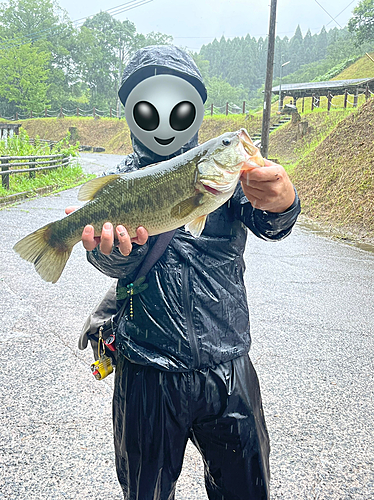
(250, 151)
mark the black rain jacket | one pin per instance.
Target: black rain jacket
(194, 313)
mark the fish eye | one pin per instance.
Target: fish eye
(226, 142)
(182, 116)
(146, 116)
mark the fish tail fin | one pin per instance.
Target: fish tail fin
(49, 260)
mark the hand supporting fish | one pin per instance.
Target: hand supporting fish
(159, 198)
(268, 188)
(109, 235)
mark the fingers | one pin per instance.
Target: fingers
(106, 241)
(268, 188)
(124, 240)
(265, 174)
(69, 210)
(141, 236)
(88, 238)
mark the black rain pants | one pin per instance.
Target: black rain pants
(155, 412)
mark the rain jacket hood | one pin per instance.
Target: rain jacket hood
(158, 60)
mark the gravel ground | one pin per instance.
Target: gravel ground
(312, 320)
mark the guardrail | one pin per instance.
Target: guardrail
(34, 162)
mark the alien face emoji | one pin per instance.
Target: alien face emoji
(164, 112)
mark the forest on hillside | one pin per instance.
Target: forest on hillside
(49, 62)
(242, 61)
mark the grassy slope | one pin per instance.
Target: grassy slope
(112, 134)
(289, 149)
(362, 68)
(333, 168)
(336, 179)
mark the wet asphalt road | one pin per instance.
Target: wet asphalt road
(312, 304)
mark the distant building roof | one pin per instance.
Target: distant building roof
(322, 88)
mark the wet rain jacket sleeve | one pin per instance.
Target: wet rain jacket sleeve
(116, 265)
(266, 225)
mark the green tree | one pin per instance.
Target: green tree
(35, 20)
(153, 38)
(362, 22)
(203, 66)
(46, 26)
(220, 92)
(101, 47)
(321, 44)
(23, 77)
(296, 49)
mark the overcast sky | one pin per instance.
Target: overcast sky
(193, 23)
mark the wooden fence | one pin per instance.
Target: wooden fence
(227, 108)
(8, 164)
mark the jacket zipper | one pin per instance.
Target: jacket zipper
(188, 305)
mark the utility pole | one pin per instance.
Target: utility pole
(119, 78)
(280, 102)
(269, 81)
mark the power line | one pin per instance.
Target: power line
(114, 11)
(342, 11)
(328, 13)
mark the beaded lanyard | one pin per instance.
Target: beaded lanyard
(130, 291)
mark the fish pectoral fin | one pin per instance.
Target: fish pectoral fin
(196, 226)
(185, 207)
(90, 189)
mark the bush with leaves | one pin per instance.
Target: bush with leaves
(19, 145)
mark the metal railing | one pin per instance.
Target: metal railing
(8, 164)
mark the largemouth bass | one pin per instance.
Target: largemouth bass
(178, 192)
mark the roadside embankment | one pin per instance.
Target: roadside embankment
(332, 168)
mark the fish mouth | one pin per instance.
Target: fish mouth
(250, 151)
(218, 188)
(224, 182)
(211, 189)
(164, 142)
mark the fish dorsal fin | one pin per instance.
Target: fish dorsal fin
(196, 226)
(90, 189)
(185, 207)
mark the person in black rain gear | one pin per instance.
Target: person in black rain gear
(183, 370)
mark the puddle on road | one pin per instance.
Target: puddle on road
(333, 234)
